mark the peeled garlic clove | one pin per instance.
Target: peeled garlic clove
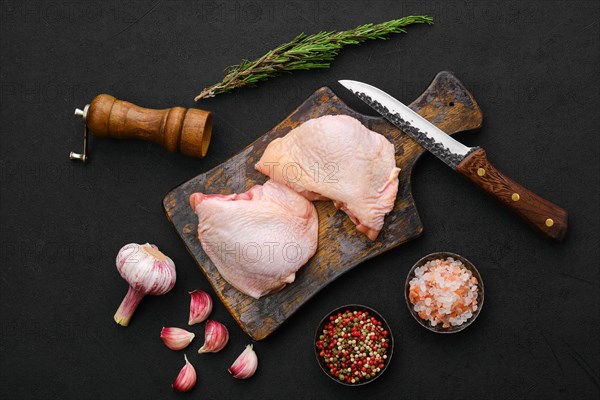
(176, 338)
(186, 379)
(216, 337)
(201, 306)
(245, 365)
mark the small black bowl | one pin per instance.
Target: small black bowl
(353, 307)
(480, 293)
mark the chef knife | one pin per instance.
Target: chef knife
(472, 162)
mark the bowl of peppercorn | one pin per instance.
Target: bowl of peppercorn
(353, 345)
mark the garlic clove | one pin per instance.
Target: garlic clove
(201, 306)
(186, 379)
(245, 365)
(216, 337)
(176, 338)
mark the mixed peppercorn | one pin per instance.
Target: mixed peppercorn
(354, 346)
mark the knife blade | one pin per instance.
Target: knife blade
(544, 216)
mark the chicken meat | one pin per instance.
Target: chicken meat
(257, 239)
(336, 157)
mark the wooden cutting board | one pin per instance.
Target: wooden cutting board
(446, 103)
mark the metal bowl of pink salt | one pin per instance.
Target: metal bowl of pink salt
(444, 292)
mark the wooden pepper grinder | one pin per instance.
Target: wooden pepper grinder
(187, 131)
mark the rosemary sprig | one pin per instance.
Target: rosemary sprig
(305, 52)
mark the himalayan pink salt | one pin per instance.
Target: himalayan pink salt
(444, 292)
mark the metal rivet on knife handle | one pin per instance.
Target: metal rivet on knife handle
(549, 222)
(515, 197)
(480, 171)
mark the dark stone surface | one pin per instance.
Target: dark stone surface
(532, 66)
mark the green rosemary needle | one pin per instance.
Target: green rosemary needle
(305, 52)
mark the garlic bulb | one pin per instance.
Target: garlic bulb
(148, 271)
(216, 337)
(186, 379)
(201, 306)
(176, 338)
(245, 365)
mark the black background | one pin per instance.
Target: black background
(533, 68)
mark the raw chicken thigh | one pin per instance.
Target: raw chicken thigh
(257, 239)
(338, 158)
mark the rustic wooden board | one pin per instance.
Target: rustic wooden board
(446, 103)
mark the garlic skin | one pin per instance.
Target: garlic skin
(186, 379)
(201, 306)
(148, 271)
(216, 337)
(245, 365)
(176, 338)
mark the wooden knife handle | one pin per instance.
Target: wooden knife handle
(177, 129)
(546, 217)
